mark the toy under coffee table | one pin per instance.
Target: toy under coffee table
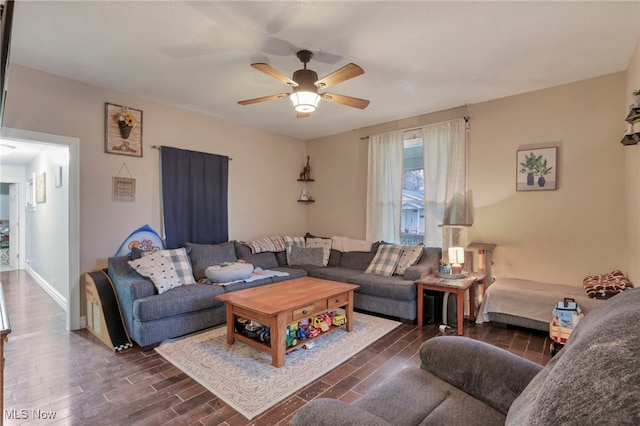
(277, 305)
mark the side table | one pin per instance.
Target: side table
(448, 285)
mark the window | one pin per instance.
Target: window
(412, 220)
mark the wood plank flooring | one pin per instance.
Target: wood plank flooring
(55, 376)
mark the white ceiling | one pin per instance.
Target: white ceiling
(418, 56)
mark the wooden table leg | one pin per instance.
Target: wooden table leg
(278, 340)
(420, 288)
(349, 311)
(472, 302)
(460, 301)
(230, 325)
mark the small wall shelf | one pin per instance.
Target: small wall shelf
(632, 137)
(306, 180)
(306, 201)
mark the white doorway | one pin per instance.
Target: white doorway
(60, 281)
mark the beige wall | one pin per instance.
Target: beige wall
(555, 236)
(632, 174)
(262, 175)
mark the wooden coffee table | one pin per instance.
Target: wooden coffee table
(277, 305)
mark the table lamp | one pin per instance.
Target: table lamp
(456, 258)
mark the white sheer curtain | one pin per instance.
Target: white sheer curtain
(445, 177)
(384, 187)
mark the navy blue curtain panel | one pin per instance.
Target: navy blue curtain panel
(194, 197)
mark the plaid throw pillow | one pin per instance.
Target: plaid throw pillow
(166, 268)
(385, 261)
(290, 242)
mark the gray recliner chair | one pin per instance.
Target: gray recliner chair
(594, 379)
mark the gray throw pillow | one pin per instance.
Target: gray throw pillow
(306, 256)
(205, 255)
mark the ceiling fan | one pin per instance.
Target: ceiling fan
(305, 84)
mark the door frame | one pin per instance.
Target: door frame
(73, 289)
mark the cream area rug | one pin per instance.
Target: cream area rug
(244, 378)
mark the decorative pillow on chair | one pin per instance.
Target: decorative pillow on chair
(166, 268)
(409, 257)
(290, 242)
(325, 244)
(306, 256)
(385, 261)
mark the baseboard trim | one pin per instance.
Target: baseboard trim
(48, 288)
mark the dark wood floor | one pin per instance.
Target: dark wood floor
(72, 375)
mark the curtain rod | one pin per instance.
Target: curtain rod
(466, 120)
(158, 148)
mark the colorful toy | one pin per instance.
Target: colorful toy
(291, 334)
(313, 332)
(339, 320)
(320, 322)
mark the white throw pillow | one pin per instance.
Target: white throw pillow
(167, 269)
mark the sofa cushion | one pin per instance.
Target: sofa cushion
(325, 244)
(386, 260)
(177, 301)
(393, 287)
(272, 243)
(337, 273)
(306, 256)
(409, 257)
(293, 273)
(416, 397)
(166, 268)
(205, 255)
(359, 259)
(334, 258)
(264, 260)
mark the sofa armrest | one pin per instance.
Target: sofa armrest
(331, 412)
(486, 372)
(428, 264)
(129, 286)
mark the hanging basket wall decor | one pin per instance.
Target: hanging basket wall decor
(123, 130)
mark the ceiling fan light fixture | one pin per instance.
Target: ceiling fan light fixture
(304, 101)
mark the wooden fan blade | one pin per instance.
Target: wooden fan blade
(302, 114)
(272, 72)
(338, 76)
(345, 100)
(263, 99)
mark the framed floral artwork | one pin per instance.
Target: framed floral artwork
(537, 169)
(123, 130)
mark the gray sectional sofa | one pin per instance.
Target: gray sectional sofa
(151, 318)
(593, 380)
